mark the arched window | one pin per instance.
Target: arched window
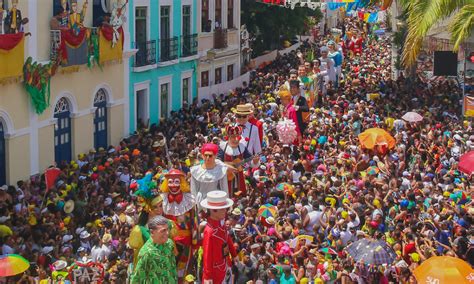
(100, 119)
(62, 131)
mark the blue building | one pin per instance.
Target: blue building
(163, 70)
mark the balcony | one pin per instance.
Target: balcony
(146, 54)
(168, 49)
(220, 38)
(189, 44)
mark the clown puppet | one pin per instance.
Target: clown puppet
(218, 247)
(234, 152)
(178, 204)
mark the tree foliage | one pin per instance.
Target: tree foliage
(269, 25)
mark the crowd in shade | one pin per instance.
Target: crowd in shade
(299, 205)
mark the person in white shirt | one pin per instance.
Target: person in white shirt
(327, 69)
(250, 136)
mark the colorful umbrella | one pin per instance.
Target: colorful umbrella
(267, 210)
(328, 251)
(466, 163)
(12, 264)
(412, 117)
(376, 137)
(373, 170)
(444, 269)
(284, 187)
(306, 238)
(371, 252)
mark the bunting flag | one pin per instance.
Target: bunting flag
(12, 52)
(468, 106)
(371, 17)
(106, 51)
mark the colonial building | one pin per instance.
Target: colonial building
(62, 79)
(219, 42)
(163, 70)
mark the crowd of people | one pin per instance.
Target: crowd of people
(324, 185)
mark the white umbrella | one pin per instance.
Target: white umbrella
(412, 117)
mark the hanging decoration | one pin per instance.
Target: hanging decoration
(37, 78)
(74, 46)
(108, 50)
(12, 49)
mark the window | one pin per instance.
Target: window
(230, 14)
(165, 22)
(186, 20)
(206, 23)
(218, 18)
(185, 90)
(164, 89)
(230, 72)
(218, 75)
(140, 24)
(204, 78)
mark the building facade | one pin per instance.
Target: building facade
(163, 71)
(219, 42)
(86, 89)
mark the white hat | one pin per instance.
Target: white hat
(238, 228)
(108, 201)
(217, 199)
(81, 249)
(59, 265)
(47, 250)
(80, 230)
(84, 235)
(4, 187)
(3, 219)
(67, 238)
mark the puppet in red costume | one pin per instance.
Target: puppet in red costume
(234, 152)
(218, 248)
(356, 44)
(178, 204)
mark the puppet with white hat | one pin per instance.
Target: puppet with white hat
(218, 247)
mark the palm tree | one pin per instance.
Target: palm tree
(424, 14)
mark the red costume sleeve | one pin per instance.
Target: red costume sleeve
(259, 126)
(207, 259)
(292, 116)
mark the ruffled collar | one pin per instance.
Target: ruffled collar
(209, 175)
(178, 209)
(240, 149)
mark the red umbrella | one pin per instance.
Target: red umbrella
(466, 163)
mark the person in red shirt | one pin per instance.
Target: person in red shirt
(218, 248)
(257, 123)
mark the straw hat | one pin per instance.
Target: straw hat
(217, 199)
(69, 206)
(59, 265)
(243, 109)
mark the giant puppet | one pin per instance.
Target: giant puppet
(178, 205)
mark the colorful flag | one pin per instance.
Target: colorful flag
(50, 176)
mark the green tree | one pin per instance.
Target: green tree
(270, 24)
(424, 14)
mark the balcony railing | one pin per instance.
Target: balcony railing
(168, 49)
(189, 45)
(146, 54)
(220, 38)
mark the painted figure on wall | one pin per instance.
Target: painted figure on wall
(63, 16)
(76, 19)
(14, 22)
(117, 19)
(3, 15)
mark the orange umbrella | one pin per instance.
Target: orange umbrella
(376, 137)
(444, 269)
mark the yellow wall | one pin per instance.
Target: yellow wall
(83, 134)
(14, 97)
(18, 159)
(46, 146)
(115, 124)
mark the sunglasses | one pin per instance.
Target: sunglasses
(240, 115)
(208, 155)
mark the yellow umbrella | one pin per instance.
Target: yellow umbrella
(444, 269)
(376, 137)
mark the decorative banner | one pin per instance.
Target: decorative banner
(74, 47)
(108, 52)
(469, 106)
(12, 52)
(36, 81)
(90, 272)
